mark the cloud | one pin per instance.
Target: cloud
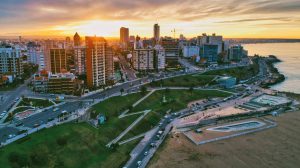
(255, 20)
(16, 15)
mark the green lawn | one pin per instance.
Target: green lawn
(76, 145)
(35, 102)
(178, 99)
(20, 109)
(184, 81)
(241, 73)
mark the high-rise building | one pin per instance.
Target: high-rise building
(213, 39)
(77, 40)
(190, 51)
(95, 61)
(156, 33)
(47, 45)
(236, 53)
(209, 53)
(160, 57)
(124, 37)
(171, 48)
(58, 59)
(10, 61)
(109, 64)
(149, 58)
(35, 55)
(80, 59)
(143, 59)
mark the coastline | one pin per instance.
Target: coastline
(275, 77)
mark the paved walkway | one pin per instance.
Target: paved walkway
(120, 136)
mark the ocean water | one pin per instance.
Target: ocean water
(289, 54)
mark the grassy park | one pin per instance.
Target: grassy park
(184, 81)
(81, 145)
(241, 73)
(75, 145)
(176, 100)
(35, 102)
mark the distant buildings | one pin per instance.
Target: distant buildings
(58, 58)
(10, 61)
(236, 53)
(124, 37)
(77, 40)
(156, 33)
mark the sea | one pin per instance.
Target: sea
(289, 54)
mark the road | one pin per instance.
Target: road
(127, 69)
(11, 96)
(39, 118)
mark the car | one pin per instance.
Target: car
(146, 153)
(36, 125)
(153, 145)
(55, 109)
(139, 163)
(11, 136)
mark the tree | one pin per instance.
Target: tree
(143, 90)
(122, 90)
(18, 160)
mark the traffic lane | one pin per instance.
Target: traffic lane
(115, 89)
(42, 117)
(4, 132)
(153, 139)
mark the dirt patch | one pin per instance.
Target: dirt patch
(276, 147)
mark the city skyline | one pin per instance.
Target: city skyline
(232, 19)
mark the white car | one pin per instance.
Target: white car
(11, 136)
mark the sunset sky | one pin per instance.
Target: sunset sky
(230, 18)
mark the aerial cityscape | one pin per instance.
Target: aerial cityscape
(149, 83)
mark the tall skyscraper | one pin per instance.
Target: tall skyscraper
(156, 34)
(76, 38)
(58, 59)
(124, 37)
(95, 61)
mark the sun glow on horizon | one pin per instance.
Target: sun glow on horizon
(93, 27)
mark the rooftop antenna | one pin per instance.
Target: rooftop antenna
(174, 33)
